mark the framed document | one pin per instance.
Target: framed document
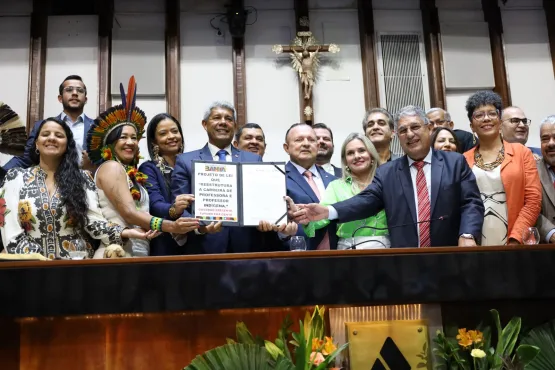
(239, 194)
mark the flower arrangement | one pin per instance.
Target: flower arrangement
(312, 349)
(472, 349)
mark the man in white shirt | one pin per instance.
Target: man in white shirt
(73, 97)
(430, 197)
(325, 149)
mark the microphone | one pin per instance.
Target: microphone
(441, 218)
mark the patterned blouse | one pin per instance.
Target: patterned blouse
(32, 221)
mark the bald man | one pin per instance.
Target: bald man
(516, 127)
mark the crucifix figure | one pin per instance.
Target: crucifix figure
(305, 60)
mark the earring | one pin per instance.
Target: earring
(474, 138)
(155, 150)
(348, 169)
(37, 151)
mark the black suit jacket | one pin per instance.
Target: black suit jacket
(454, 197)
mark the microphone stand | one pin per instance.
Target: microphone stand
(441, 218)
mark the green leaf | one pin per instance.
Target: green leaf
(273, 350)
(543, 337)
(243, 334)
(525, 353)
(234, 356)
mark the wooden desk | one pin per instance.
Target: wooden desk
(159, 312)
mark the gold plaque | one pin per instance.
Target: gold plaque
(393, 345)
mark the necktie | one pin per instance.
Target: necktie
(553, 170)
(325, 243)
(221, 155)
(424, 210)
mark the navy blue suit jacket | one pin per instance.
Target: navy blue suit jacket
(537, 151)
(25, 160)
(454, 195)
(301, 193)
(229, 239)
(160, 201)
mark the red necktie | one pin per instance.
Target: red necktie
(325, 243)
(424, 210)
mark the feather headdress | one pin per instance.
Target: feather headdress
(123, 114)
(13, 135)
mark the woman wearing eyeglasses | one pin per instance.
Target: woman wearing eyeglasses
(505, 172)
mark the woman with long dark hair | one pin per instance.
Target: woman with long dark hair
(165, 141)
(113, 144)
(46, 206)
(445, 139)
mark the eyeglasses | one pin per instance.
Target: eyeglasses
(480, 116)
(69, 89)
(402, 131)
(438, 122)
(516, 121)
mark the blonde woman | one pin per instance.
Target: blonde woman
(359, 161)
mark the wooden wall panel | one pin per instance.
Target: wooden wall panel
(549, 7)
(173, 58)
(9, 347)
(434, 58)
(368, 54)
(137, 341)
(105, 22)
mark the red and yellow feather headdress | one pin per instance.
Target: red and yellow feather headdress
(123, 114)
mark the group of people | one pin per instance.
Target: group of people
(80, 179)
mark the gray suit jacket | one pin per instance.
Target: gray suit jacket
(546, 220)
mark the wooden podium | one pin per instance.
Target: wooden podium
(160, 312)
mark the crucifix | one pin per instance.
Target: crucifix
(305, 60)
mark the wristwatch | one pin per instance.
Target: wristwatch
(467, 236)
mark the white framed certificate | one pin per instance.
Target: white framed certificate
(239, 194)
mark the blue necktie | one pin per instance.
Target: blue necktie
(221, 155)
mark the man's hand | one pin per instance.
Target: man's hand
(289, 228)
(212, 228)
(466, 242)
(86, 163)
(182, 202)
(310, 212)
(184, 225)
(265, 226)
(552, 239)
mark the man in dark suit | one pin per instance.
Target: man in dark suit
(516, 127)
(325, 149)
(546, 166)
(441, 118)
(306, 182)
(378, 127)
(437, 188)
(219, 123)
(251, 138)
(73, 96)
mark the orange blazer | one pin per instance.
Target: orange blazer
(522, 187)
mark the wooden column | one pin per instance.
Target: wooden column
(549, 7)
(173, 60)
(492, 15)
(10, 348)
(434, 57)
(239, 73)
(301, 15)
(368, 54)
(37, 61)
(105, 12)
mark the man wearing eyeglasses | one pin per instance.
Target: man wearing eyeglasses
(515, 128)
(73, 96)
(441, 118)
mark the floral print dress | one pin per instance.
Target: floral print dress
(33, 221)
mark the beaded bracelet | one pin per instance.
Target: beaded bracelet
(173, 213)
(156, 223)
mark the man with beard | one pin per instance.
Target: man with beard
(378, 127)
(325, 149)
(250, 138)
(219, 123)
(546, 166)
(515, 128)
(430, 196)
(441, 118)
(73, 96)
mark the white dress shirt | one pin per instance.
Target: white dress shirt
(78, 130)
(329, 168)
(315, 176)
(214, 151)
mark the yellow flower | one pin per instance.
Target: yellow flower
(24, 208)
(329, 347)
(477, 353)
(317, 344)
(475, 336)
(464, 338)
